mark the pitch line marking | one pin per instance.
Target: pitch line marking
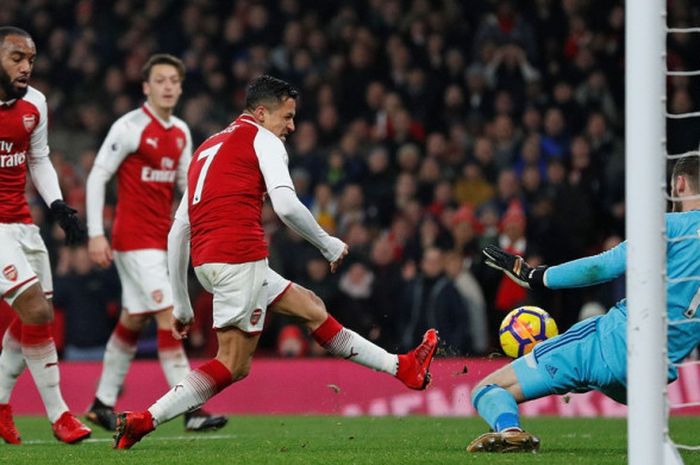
(208, 437)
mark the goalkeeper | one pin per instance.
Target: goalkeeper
(593, 353)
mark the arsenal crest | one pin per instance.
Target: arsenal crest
(10, 272)
(180, 143)
(255, 316)
(29, 122)
(157, 296)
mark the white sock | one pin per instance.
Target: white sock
(11, 365)
(39, 351)
(120, 351)
(191, 392)
(173, 359)
(349, 345)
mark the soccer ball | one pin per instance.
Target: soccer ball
(523, 328)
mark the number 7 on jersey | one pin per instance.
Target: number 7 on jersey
(208, 155)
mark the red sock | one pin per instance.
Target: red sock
(15, 329)
(327, 331)
(219, 374)
(166, 340)
(127, 336)
(36, 335)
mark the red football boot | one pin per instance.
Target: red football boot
(131, 427)
(414, 367)
(69, 429)
(8, 431)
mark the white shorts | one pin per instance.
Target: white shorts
(144, 278)
(276, 286)
(24, 261)
(241, 292)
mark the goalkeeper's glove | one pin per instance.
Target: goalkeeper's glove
(515, 267)
(69, 222)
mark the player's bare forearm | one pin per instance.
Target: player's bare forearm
(100, 252)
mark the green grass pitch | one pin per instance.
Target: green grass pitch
(340, 440)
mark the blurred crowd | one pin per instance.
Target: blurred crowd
(425, 131)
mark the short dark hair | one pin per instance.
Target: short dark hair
(268, 90)
(688, 167)
(162, 59)
(12, 31)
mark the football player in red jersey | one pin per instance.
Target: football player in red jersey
(149, 149)
(25, 271)
(221, 216)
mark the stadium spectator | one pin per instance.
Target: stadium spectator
(510, 69)
(325, 207)
(377, 186)
(386, 289)
(555, 137)
(26, 282)
(149, 149)
(512, 239)
(505, 25)
(471, 187)
(429, 299)
(595, 93)
(355, 304)
(457, 269)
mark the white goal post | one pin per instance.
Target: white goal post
(645, 193)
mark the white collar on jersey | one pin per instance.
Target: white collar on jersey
(152, 113)
(248, 118)
(7, 103)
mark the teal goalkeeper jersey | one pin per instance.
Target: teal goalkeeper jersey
(683, 262)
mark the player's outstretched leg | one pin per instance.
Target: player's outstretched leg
(8, 431)
(500, 410)
(414, 367)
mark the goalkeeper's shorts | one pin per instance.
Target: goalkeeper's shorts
(570, 362)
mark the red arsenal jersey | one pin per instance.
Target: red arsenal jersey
(228, 176)
(148, 155)
(23, 127)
